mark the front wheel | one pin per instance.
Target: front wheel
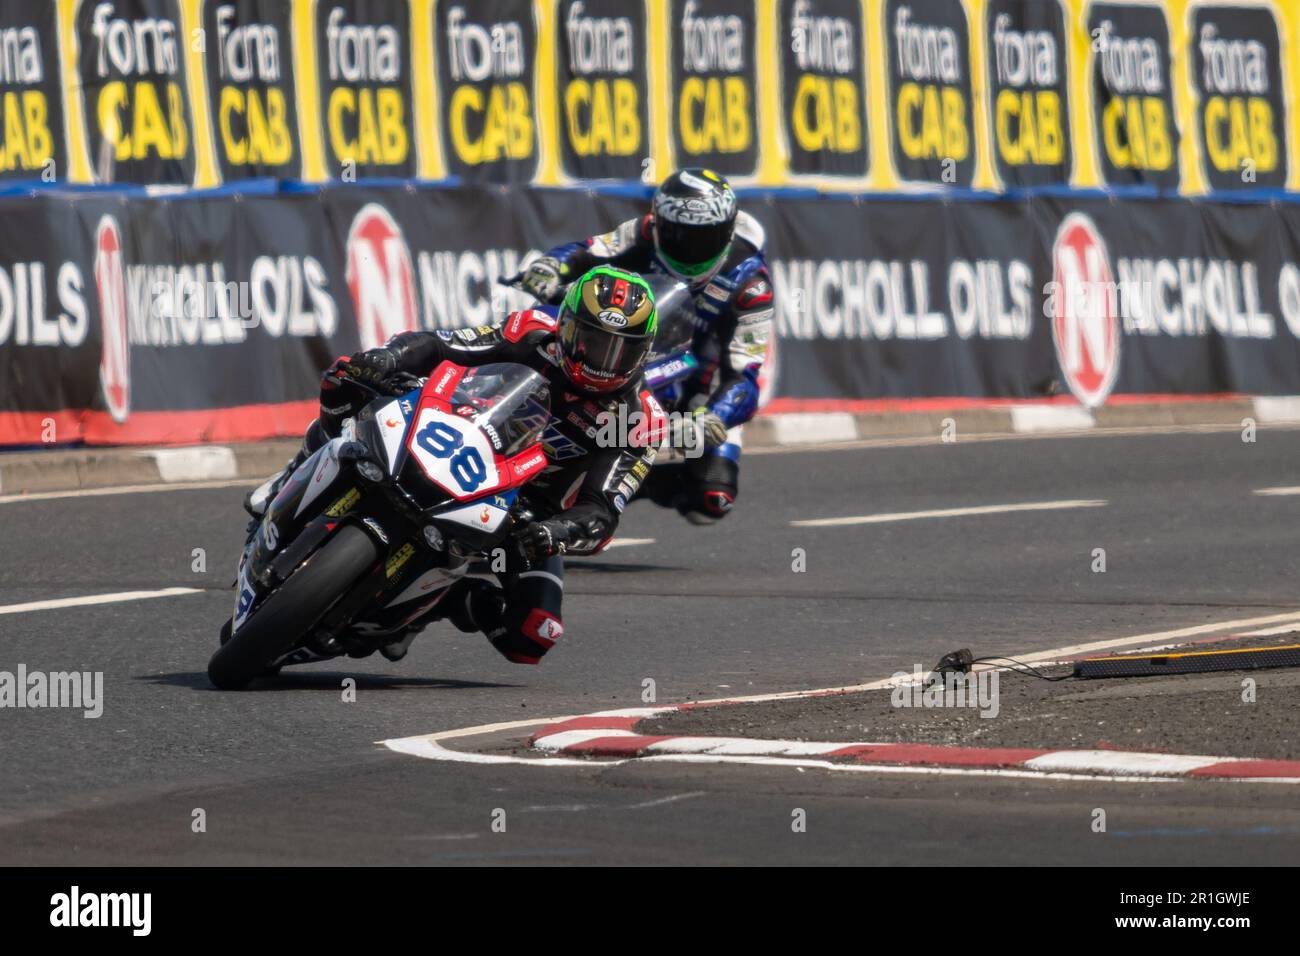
(289, 614)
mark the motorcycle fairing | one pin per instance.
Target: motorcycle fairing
(672, 369)
(391, 422)
(304, 511)
(454, 452)
(486, 515)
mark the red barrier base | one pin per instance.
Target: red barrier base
(867, 406)
(239, 424)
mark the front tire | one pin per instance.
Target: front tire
(294, 609)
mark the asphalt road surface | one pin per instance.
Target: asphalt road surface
(290, 773)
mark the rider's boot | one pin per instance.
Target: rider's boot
(471, 605)
(711, 485)
(259, 499)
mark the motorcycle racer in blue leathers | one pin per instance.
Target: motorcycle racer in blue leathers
(695, 233)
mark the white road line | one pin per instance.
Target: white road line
(628, 542)
(567, 738)
(672, 798)
(125, 490)
(115, 598)
(950, 513)
(1271, 631)
(1153, 640)
(1281, 490)
(430, 749)
(745, 747)
(938, 771)
(641, 712)
(1160, 636)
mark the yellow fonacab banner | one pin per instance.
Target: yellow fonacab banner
(1191, 96)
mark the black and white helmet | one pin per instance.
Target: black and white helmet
(693, 220)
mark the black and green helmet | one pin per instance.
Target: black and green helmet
(607, 324)
(694, 219)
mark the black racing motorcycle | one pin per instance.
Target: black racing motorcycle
(366, 536)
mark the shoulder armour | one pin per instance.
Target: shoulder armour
(751, 230)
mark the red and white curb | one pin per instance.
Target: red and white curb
(573, 741)
(613, 734)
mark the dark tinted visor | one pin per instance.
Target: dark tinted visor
(693, 245)
(604, 356)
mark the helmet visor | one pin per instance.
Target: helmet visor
(598, 359)
(692, 249)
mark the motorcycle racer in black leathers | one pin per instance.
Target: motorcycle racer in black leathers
(592, 353)
(695, 233)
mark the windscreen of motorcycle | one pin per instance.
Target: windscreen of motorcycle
(510, 404)
(675, 307)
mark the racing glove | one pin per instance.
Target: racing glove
(695, 432)
(372, 367)
(543, 279)
(712, 428)
(541, 539)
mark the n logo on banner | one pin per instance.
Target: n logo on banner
(115, 354)
(380, 277)
(1085, 323)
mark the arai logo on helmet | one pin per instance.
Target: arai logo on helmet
(612, 318)
(1085, 316)
(115, 353)
(380, 277)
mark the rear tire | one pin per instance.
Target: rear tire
(280, 624)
